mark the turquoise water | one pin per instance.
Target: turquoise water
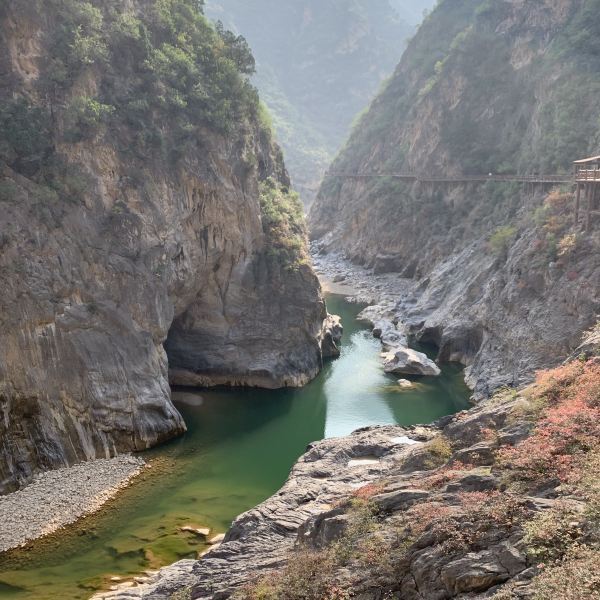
(238, 450)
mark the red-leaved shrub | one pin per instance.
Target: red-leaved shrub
(366, 492)
(568, 429)
(444, 475)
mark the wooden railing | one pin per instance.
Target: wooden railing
(587, 175)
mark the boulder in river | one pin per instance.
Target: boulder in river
(405, 361)
(331, 336)
(389, 334)
(405, 384)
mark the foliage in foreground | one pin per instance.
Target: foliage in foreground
(307, 577)
(577, 577)
(568, 431)
(310, 575)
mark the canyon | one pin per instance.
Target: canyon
(497, 275)
(506, 281)
(320, 65)
(138, 256)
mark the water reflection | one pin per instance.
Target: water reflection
(358, 393)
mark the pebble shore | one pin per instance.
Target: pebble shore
(361, 285)
(58, 498)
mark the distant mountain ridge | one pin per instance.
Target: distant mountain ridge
(319, 63)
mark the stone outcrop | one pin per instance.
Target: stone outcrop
(331, 336)
(502, 279)
(153, 268)
(259, 539)
(590, 345)
(405, 361)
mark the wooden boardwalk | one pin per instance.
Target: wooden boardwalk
(585, 178)
(426, 178)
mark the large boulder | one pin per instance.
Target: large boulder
(388, 333)
(331, 336)
(479, 571)
(405, 361)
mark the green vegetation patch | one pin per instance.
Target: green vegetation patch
(283, 224)
(25, 135)
(169, 65)
(153, 82)
(501, 239)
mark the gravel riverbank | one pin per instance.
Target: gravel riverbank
(340, 276)
(58, 498)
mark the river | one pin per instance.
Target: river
(238, 450)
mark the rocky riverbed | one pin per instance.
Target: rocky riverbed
(60, 497)
(361, 285)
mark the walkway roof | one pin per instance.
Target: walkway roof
(587, 160)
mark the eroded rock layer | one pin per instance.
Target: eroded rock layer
(130, 214)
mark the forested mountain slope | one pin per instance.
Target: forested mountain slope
(141, 199)
(319, 64)
(507, 282)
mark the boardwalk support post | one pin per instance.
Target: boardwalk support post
(592, 205)
(589, 189)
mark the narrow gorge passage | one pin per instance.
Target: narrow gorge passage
(238, 450)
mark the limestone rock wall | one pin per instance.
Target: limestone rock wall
(91, 289)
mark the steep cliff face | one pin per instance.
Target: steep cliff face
(507, 281)
(319, 65)
(132, 214)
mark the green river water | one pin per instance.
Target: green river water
(238, 450)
